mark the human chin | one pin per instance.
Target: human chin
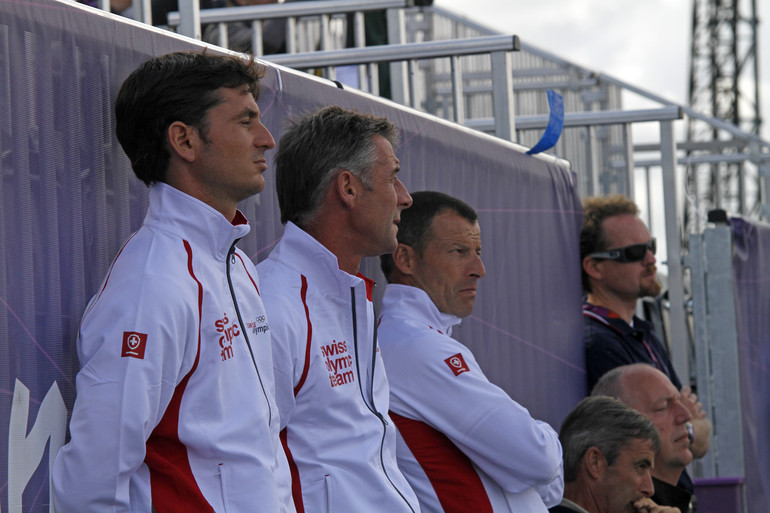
(650, 289)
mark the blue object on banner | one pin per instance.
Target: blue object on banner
(555, 123)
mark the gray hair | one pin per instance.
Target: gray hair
(316, 148)
(605, 423)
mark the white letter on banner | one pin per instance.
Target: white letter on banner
(26, 452)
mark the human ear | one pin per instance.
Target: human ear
(181, 140)
(404, 259)
(591, 267)
(345, 184)
(595, 462)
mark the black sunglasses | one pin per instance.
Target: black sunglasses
(632, 253)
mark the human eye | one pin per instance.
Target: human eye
(643, 466)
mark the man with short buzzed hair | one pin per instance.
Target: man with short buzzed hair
(464, 444)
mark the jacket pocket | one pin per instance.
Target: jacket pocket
(329, 489)
(223, 484)
(318, 495)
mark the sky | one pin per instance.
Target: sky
(645, 43)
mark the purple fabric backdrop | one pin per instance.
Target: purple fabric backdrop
(751, 267)
(69, 200)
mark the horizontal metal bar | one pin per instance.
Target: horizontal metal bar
(288, 10)
(518, 86)
(395, 53)
(607, 117)
(578, 119)
(732, 158)
(722, 145)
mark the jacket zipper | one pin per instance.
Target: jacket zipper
(231, 259)
(370, 405)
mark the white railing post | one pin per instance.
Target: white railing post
(399, 79)
(190, 19)
(502, 96)
(678, 328)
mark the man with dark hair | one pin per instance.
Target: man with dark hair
(464, 444)
(618, 268)
(341, 200)
(647, 390)
(609, 451)
(175, 408)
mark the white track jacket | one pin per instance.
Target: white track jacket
(175, 407)
(464, 444)
(330, 383)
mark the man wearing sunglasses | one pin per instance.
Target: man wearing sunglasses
(618, 268)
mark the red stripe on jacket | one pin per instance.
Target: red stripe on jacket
(454, 479)
(296, 485)
(306, 366)
(247, 273)
(172, 482)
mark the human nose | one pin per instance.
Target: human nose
(263, 138)
(402, 195)
(646, 487)
(478, 270)
(682, 413)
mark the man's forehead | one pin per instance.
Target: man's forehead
(641, 450)
(649, 386)
(624, 226)
(448, 226)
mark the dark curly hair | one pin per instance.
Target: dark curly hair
(595, 211)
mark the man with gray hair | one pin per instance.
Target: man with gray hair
(649, 391)
(609, 450)
(341, 200)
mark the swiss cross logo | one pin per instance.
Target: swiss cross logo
(457, 364)
(133, 344)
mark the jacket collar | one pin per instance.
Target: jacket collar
(303, 253)
(414, 303)
(191, 219)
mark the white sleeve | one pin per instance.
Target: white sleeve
(121, 398)
(495, 432)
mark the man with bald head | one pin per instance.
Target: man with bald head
(649, 391)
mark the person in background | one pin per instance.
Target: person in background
(618, 269)
(647, 390)
(239, 33)
(609, 451)
(341, 200)
(464, 444)
(175, 407)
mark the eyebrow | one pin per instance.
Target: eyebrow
(251, 113)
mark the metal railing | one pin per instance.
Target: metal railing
(497, 47)
(189, 18)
